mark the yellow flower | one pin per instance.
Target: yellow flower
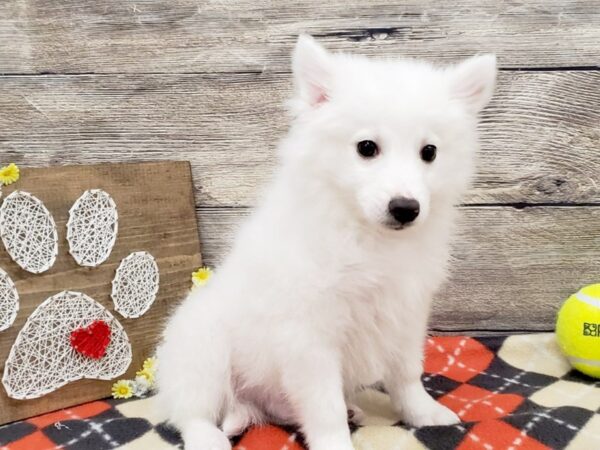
(122, 389)
(147, 374)
(150, 364)
(9, 174)
(201, 276)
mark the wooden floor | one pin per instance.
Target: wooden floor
(99, 81)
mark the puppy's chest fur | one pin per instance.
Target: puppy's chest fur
(365, 346)
(384, 299)
(363, 295)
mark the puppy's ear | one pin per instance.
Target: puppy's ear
(473, 81)
(311, 66)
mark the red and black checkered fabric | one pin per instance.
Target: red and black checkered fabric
(513, 393)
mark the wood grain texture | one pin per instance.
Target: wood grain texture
(168, 36)
(151, 218)
(539, 135)
(511, 269)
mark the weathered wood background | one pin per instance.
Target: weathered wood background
(88, 81)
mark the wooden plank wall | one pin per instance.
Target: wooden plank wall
(86, 81)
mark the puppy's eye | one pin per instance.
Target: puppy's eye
(428, 153)
(367, 149)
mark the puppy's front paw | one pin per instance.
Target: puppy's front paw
(203, 436)
(429, 412)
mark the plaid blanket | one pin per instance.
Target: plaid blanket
(513, 393)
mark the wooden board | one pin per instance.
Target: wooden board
(539, 135)
(167, 36)
(512, 267)
(156, 214)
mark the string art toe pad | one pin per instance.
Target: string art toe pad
(9, 301)
(135, 285)
(28, 232)
(92, 227)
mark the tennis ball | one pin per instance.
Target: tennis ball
(578, 330)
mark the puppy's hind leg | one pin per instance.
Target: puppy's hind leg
(239, 417)
(355, 414)
(193, 379)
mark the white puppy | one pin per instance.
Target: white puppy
(329, 283)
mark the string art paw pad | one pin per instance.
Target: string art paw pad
(9, 301)
(91, 341)
(135, 285)
(28, 232)
(43, 359)
(92, 227)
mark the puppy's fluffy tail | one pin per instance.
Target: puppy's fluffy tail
(193, 378)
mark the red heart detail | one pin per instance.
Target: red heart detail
(92, 340)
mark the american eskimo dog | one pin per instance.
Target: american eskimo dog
(329, 283)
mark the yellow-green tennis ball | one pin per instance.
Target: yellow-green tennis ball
(578, 330)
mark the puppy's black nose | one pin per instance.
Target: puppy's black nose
(403, 209)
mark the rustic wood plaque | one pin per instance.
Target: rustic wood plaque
(156, 213)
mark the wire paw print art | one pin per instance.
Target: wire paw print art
(70, 335)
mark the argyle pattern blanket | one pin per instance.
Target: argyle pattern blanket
(514, 393)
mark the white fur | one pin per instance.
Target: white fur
(320, 296)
